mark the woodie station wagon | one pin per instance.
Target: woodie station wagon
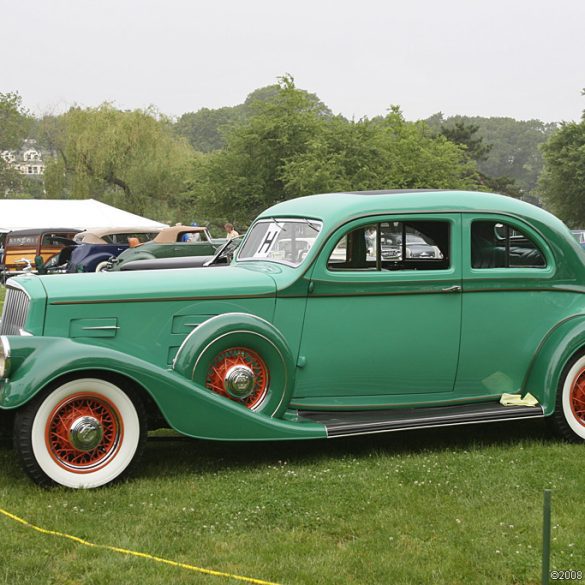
(341, 314)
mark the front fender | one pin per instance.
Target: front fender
(241, 331)
(187, 406)
(556, 349)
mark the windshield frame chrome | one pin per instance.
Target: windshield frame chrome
(311, 221)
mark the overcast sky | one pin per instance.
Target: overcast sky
(518, 58)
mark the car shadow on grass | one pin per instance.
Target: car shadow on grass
(171, 455)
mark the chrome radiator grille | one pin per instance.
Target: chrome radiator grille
(14, 312)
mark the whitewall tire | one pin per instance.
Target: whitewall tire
(569, 416)
(85, 433)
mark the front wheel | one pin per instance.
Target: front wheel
(84, 433)
(569, 416)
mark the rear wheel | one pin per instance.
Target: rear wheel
(569, 417)
(84, 433)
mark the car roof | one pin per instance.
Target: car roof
(38, 231)
(109, 231)
(333, 208)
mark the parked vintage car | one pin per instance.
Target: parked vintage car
(28, 250)
(312, 339)
(93, 249)
(222, 257)
(171, 242)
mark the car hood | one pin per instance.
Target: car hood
(185, 283)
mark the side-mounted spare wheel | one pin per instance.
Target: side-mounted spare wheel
(569, 416)
(102, 266)
(84, 433)
(243, 358)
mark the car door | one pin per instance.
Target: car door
(509, 303)
(383, 319)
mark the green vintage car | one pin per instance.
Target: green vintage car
(172, 242)
(311, 332)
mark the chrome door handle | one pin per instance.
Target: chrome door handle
(452, 289)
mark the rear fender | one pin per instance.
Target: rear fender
(557, 348)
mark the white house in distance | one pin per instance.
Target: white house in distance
(28, 160)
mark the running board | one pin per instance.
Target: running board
(362, 422)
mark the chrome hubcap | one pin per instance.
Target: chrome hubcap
(239, 381)
(86, 433)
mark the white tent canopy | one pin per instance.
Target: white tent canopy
(16, 214)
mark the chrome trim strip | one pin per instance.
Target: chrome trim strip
(15, 309)
(434, 426)
(268, 295)
(15, 284)
(100, 327)
(5, 346)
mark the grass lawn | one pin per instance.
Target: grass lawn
(452, 506)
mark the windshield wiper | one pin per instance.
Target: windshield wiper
(278, 223)
(311, 224)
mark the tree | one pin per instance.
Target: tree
(14, 124)
(247, 176)
(14, 121)
(465, 134)
(563, 178)
(514, 160)
(132, 158)
(383, 153)
(293, 146)
(206, 129)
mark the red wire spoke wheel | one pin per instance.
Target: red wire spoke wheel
(577, 397)
(84, 432)
(239, 373)
(568, 419)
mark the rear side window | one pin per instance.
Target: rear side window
(394, 245)
(499, 245)
(55, 240)
(21, 241)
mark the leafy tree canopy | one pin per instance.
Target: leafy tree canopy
(514, 157)
(563, 178)
(206, 129)
(15, 121)
(291, 145)
(132, 156)
(247, 175)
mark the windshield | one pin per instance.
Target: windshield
(280, 240)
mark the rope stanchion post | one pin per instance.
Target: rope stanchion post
(546, 537)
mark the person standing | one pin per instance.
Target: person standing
(230, 232)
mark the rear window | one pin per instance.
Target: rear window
(496, 244)
(123, 238)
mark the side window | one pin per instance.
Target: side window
(50, 241)
(393, 245)
(499, 245)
